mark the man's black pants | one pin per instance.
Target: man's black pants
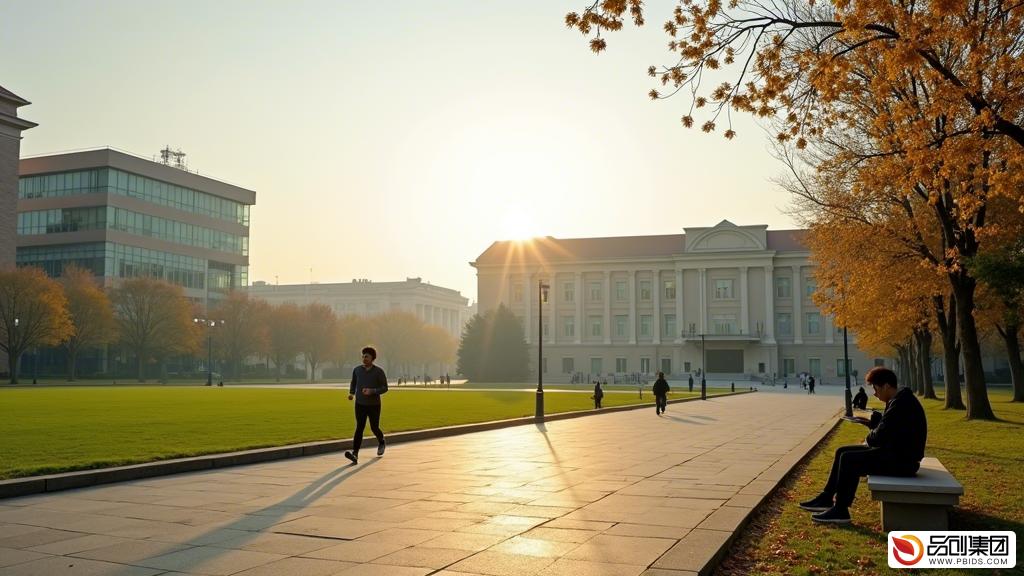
(852, 462)
(660, 402)
(364, 411)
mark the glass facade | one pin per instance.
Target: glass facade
(113, 181)
(119, 261)
(100, 217)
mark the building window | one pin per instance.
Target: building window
(813, 323)
(595, 291)
(723, 289)
(810, 286)
(645, 365)
(784, 324)
(783, 288)
(645, 324)
(723, 323)
(568, 366)
(814, 367)
(596, 328)
(596, 366)
(645, 290)
(686, 366)
(568, 326)
(841, 367)
(760, 367)
(620, 326)
(620, 365)
(670, 325)
(666, 366)
(670, 289)
(517, 293)
(788, 367)
(569, 291)
(620, 290)
(879, 361)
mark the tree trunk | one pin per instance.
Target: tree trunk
(142, 368)
(913, 354)
(72, 361)
(978, 406)
(925, 357)
(1011, 337)
(904, 368)
(12, 365)
(946, 319)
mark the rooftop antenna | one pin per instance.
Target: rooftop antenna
(174, 158)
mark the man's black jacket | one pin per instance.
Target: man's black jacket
(660, 387)
(901, 430)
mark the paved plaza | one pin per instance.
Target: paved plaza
(624, 493)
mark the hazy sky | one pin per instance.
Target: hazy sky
(388, 139)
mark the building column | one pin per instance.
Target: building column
(632, 307)
(656, 293)
(798, 316)
(769, 305)
(607, 307)
(703, 300)
(680, 322)
(579, 307)
(528, 306)
(744, 307)
(553, 300)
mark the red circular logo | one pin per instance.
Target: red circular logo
(907, 546)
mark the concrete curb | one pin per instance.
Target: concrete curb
(84, 478)
(700, 551)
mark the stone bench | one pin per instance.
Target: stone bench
(920, 502)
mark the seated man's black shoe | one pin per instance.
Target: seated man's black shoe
(353, 457)
(834, 515)
(820, 503)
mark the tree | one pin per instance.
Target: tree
(493, 348)
(319, 335)
(154, 321)
(1002, 271)
(354, 333)
(91, 314)
(439, 347)
(33, 312)
(285, 335)
(244, 331)
(399, 335)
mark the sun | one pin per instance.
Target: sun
(517, 225)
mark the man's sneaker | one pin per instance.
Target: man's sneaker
(353, 457)
(820, 503)
(834, 515)
(380, 449)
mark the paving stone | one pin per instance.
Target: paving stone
(647, 531)
(355, 551)
(208, 560)
(66, 566)
(37, 537)
(12, 556)
(621, 549)
(534, 547)
(570, 567)
(500, 564)
(464, 541)
(72, 545)
(561, 534)
(129, 551)
(695, 552)
(298, 567)
(424, 557)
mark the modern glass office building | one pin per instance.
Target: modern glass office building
(122, 216)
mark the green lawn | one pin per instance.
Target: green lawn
(986, 457)
(47, 430)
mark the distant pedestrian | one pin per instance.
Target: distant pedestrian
(368, 383)
(810, 385)
(860, 401)
(598, 395)
(690, 382)
(660, 390)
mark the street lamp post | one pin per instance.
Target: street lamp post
(209, 346)
(703, 371)
(846, 370)
(542, 290)
(17, 361)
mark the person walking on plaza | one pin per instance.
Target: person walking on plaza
(690, 382)
(894, 447)
(598, 394)
(368, 383)
(660, 390)
(810, 384)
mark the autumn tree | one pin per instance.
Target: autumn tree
(244, 331)
(1002, 272)
(33, 312)
(493, 348)
(319, 339)
(399, 337)
(354, 333)
(91, 314)
(439, 347)
(285, 333)
(154, 320)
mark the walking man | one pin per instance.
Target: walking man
(660, 390)
(368, 383)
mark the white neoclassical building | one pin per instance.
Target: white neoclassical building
(732, 300)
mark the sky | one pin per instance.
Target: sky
(388, 140)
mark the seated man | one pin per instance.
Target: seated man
(860, 401)
(894, 447)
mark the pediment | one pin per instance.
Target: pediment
(726, 237)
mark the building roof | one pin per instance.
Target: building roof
(549, 249)
(12, 97)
